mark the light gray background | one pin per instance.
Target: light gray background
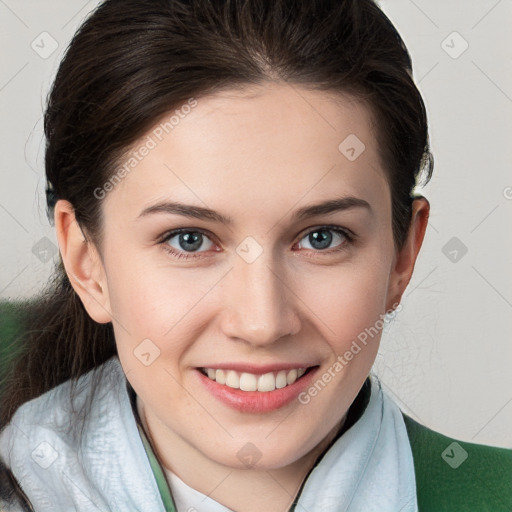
(447, 356)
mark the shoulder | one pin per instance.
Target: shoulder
(453, 475)
(77, 399)
(52, 443)
(61, 414)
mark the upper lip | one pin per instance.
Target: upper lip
(258, 369)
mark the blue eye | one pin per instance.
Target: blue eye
(194, 243)
(188, 241)
(321, 238)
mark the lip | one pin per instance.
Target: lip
(257, 402)
(258, 369)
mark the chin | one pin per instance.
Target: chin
(258, 456)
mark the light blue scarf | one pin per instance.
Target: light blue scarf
(104, 466)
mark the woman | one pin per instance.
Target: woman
(232, 185)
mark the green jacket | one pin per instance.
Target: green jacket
(453, 475)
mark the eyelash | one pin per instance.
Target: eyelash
(349, 236)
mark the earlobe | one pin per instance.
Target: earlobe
(406, 258)
(82, 263)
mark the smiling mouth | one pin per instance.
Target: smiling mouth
(251, 382)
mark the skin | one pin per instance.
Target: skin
(256, 155)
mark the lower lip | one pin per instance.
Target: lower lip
(257, 401)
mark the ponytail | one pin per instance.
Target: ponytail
(59, 341)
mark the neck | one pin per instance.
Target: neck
(248, 489)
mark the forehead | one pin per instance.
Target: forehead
(268, 147)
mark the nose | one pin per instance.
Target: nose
(260, 307)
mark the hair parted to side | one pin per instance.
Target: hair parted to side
(133, 61)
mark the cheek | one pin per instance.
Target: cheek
(138, 301)
(152, 330)
(146, 296)
(348, 301)
(165, 305)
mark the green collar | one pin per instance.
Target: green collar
(161, 481)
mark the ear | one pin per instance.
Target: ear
(405, 259)
(82, 263)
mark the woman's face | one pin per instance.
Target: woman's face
(284, 261)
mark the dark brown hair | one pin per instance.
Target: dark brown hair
(132, 61)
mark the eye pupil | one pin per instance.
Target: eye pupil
(320, 239)
(190, 241)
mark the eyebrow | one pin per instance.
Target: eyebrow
(332, 206)
(199, 212)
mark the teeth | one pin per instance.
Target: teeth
(292, 376)
(281, 379)
(232, 379)
(250, 382)
(266, 382)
